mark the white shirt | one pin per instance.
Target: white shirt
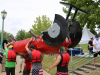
(97, 43)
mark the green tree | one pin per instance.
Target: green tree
(20, 35)
(6, 36)
(92, 7)
(41, 24)
(99, 33)
(28, 35)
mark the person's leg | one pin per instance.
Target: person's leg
(13, 71)
(40, 71)
(26, 72)
(7, 71)
(0, 67)
(90, 50)
(35, 71)
(20, 66)
(23, 62)
(94, 61)
(95, 55)
(99, 53)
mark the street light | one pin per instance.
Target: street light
(3, 14)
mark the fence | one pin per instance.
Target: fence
(80, 59)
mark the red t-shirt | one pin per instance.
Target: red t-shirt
(28, 64)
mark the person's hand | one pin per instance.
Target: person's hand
(8, 43)
(48, 70)
(97, 51)
(11, 42)
(0, 55)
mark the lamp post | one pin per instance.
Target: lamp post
(3, 14)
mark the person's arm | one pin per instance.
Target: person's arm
(95, 47)
(28, 44)
(8, 45)
(55, 64)
(1, 55)
(90, 45)
(42, 56)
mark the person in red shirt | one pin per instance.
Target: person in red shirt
(27, 67)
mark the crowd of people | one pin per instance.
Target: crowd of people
(33, 64)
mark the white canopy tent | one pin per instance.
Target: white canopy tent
(86, 35)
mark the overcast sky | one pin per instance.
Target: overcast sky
(21, 14)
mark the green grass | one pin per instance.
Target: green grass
(47, 63)
(97, 60)
(49, 60)
(84, 46)
(95, 73)
(79, 63)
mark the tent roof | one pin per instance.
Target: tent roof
(86, 35)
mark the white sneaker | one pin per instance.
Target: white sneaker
(94, 66)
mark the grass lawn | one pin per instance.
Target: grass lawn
(95, 73)
(47, 63)
(49, 60)
(84, 46)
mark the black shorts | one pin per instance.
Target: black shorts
(95, 55)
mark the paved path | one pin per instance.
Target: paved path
(18, 68)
